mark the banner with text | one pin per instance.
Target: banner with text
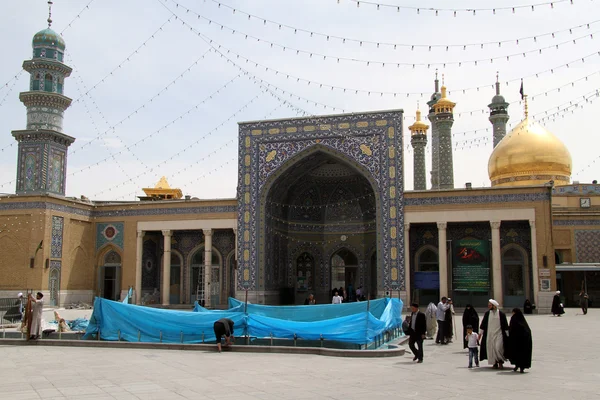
(471, 270)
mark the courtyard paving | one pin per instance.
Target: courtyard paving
(566, 365)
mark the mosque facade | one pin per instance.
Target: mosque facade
(321, 204)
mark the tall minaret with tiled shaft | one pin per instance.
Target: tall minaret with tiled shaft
(435, 148)
(498, 114)
(444, 119)
(418, 139)
(42, 154)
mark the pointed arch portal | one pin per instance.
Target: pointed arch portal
(320, 183)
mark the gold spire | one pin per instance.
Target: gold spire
(525, 106)
(419, 127)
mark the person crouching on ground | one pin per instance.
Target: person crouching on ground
(472, 339)
(224, 327)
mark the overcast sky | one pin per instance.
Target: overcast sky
(122, 58)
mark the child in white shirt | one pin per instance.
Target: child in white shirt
(472, 339)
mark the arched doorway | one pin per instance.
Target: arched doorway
(515, 276)
(197, 277)
(109, 276)
(344, 270)
(305, 273)
(426, 277)
(322, 201)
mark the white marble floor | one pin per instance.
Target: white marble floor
(565, 366)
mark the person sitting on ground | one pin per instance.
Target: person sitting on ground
(224, 327)
(310, 300)
(528, 307)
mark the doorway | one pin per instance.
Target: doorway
(110, 276)
(514, 277)
(344, 271)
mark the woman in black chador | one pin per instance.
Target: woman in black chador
(470, 317)
(520, 342)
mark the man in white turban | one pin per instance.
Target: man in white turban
(494, 330)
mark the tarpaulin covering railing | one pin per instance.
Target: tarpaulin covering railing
(358, 323)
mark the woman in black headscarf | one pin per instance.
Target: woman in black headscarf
(470, 317)
(520, 342)
(528, 307)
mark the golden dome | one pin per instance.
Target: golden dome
(444, 104)
(419, 127)
(529, 155)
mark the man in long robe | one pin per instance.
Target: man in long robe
(431, 320)
(36, 320)
(494, 328)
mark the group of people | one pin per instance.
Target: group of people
(495, 339)
(28, 312)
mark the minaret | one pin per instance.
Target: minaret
(42, 153)
(498, 114)
(418, 134)
(435, 147)
(444, 118)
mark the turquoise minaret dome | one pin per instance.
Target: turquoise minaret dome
(48, 38)
(498, 114)
(42, 160)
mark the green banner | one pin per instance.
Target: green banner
(471, 270)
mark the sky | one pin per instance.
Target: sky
(158, 86)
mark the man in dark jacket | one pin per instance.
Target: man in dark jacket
(224, 327)
(417, 331)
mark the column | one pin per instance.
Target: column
(534, 262)
(138, 267)
(166, 283)
(207, 264)
(235, 270)
(443, 258)
(407, 258)
(496, 263)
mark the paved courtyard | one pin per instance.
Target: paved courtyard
(566, 363)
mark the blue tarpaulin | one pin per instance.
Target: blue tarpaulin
(348, 322)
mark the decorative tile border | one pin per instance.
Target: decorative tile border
(57, 236)
(117, 213)
(575, 222)
(476, 199)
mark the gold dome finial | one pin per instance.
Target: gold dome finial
(525, 106)
(444, 105)
(419, 127)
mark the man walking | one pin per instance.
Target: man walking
(494, 330)
(442, 307)
(417, 330)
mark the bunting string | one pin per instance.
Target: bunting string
(144, 105)
(380, 44)
(209, 133)
(126, 60)
(84, 9)
(456, 11)
(381, 63)
(172, 122)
